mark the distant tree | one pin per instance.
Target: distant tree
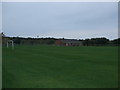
(2, 34)
(95, 41)
(86, 42)
(116, 41)
(101, 41)
(17, 40)
(51, 41)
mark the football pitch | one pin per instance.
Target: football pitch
(60, 67)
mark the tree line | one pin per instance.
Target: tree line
(100, 41)
(51, 41)
(29, 41)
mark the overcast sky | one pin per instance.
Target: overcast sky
(78, 20)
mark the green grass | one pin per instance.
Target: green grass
(60, 67)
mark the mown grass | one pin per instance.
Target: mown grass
(60, 67)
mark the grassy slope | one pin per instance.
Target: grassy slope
(59, 67)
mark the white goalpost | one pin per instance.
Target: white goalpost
(10, 42)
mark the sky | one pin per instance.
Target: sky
(73, 20)
(60, 0)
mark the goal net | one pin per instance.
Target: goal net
(10, 43)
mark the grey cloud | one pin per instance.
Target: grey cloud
(60, 19)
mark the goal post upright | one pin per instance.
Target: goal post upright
(12, 44)
(7, 44)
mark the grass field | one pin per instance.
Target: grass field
(60, 67)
